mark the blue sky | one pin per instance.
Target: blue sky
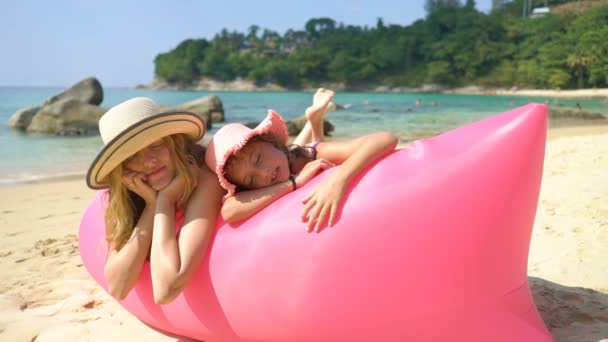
(59, 42)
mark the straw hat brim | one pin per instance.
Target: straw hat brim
(138, 136)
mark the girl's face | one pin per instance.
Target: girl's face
(154, 163)
(257, 165)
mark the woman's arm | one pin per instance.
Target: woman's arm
(122, 267)
(354, 156)
(174, 259)
(246, 203)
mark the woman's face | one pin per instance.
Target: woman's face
(257, 165)
(154, 164)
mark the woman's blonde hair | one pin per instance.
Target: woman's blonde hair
(125, 207)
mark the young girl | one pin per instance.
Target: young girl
(148, 164)
(256, 167)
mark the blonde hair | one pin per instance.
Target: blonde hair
(125, 207)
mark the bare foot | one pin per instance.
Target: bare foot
(321, 105)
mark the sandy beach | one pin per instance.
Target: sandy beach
(574, 93)
(601, 93)
(47, 295)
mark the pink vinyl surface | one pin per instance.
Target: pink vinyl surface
(431, 244)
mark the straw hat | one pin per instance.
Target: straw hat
(232, 137)
(132, 125)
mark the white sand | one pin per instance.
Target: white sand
(555, 93)
(47, 295)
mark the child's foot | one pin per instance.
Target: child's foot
(321, 105)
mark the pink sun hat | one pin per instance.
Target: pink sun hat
(231, 139)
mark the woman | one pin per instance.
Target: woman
(149, 165)
(256, 166)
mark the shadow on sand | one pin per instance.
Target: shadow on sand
(571, 313)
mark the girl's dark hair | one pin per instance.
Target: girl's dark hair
(297, 155)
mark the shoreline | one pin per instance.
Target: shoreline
(552, 133)
(249, 86)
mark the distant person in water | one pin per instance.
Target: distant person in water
(578, 106)
(256, 166)
(418, 103)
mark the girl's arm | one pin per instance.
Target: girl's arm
(246, 203)
(174, 259)
(354, 156)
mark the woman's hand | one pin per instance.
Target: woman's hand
(312, 169)
(174, 190)
(323, 200)
(136, 182)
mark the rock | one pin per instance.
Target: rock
(573, 113)
(211, 105)
(76, 111)
(295, 126)
(67, 117)
(88, 91)
(22, 118)
(209, 108)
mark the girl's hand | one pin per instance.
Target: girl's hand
(312, 169)
(136, 182)
(324, 200)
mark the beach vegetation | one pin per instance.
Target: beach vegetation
(454, 45)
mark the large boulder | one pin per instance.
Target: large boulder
(209, 108)
(22, 118)
(67, 117)
(295, 126)
(75, 110)
(574, 113)
(88, 91)
(208, 105)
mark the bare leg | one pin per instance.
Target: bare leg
(321, 105)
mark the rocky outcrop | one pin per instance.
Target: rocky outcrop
(209, 108)
(88, 91)
(67, 116)
(75, 111)
(207, 84)
(208, 105)
(574, 113)
(22, 118)
(295, 126)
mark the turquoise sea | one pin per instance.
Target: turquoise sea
(30, 157)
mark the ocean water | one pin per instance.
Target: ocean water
(25, 157)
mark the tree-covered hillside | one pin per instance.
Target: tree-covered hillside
(454, 45)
